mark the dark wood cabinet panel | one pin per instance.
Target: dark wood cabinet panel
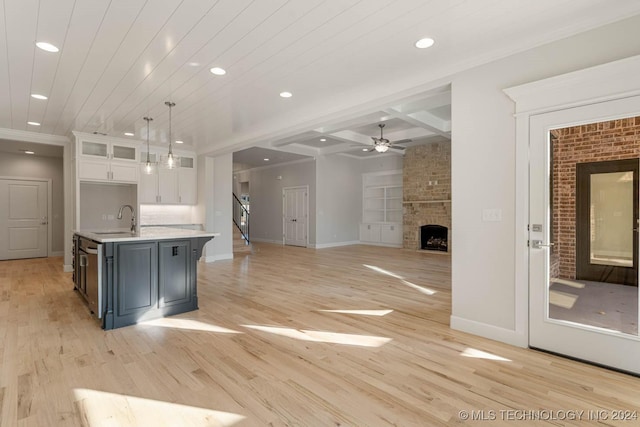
(174, 273)
(137, 277)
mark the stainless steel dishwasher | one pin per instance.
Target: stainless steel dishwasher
(91, 274)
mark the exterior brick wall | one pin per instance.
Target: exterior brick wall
(610, 140)
(422, 164)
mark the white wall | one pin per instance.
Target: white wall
(338, 200)
(100, 203)
(214, 209)
(381, 163)
(33, 166)
(483, 173)
(265, 193)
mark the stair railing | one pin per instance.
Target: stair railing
(241, 218)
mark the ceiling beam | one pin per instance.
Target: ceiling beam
(438, 100)
(424, 120)
(352, 137)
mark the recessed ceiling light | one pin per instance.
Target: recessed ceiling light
(266, 160)
(286, 94)
(29, 152)
(365, 149)
(194, 64)
(33, 123)
(47, 46)
(425, 43)
(218, 71)
(129, 134)
(179, 142)
(323, 139)
(38, 96)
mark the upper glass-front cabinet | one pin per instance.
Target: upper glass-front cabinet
(123, 152)
(109, 150)
(186, 162)
(98, 149)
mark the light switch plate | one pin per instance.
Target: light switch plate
(491, 215)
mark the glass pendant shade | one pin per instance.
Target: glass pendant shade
(148, 167)
(170, 161)
(381, 148)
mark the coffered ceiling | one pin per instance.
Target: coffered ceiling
(349, 64)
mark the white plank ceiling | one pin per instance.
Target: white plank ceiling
(120, 60)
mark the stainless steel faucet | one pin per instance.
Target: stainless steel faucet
(133, 216)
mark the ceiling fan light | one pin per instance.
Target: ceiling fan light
(381, 148)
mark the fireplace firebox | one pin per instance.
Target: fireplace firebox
(434, 238)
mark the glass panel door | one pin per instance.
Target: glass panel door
(583, 234)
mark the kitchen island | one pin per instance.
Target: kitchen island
(130, 277)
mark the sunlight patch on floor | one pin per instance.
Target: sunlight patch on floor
(383, 271)
(323, 336)
(479, 354)
(360, 312)
(101, 408)
(562, 299)
(418, 288)
(567, 282)
(194, 325)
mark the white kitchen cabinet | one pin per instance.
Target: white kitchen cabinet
(99, 159)
(169, 186)
(187, 186)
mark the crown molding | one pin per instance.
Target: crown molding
(36, 137)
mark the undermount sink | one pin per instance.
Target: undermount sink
(112, 232)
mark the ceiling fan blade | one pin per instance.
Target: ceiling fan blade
(402, 141)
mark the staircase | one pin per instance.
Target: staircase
(241, 242)
(240, 245)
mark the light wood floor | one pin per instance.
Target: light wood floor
(262, 351)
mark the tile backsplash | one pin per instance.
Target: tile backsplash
(166, 214)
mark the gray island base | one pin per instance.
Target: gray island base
(140, 276)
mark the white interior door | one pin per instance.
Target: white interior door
(567, 315)
(23, 219)
(295, 215)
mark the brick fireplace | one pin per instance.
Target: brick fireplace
(426, 191)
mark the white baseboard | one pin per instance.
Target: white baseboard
(387, 245)
(496, 333)
(67, 268)
(258, 239)
(333, 245)
(221, 257)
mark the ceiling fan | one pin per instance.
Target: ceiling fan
(382, 144)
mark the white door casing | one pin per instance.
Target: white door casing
(295, 213)
(601, 83)
(24, 218)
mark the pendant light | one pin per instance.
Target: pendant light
(149, 167)
(170, 161)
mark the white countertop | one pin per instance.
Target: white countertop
(144, 233)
